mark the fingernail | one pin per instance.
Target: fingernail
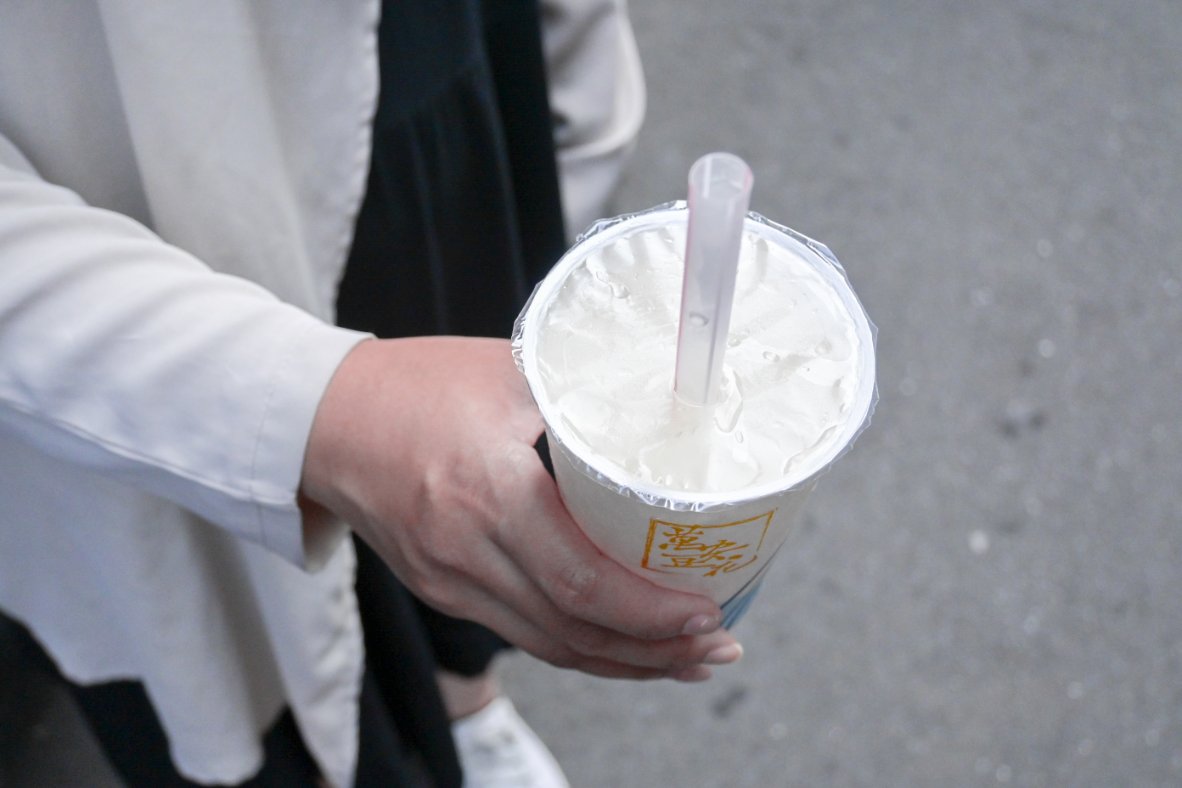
(724, 655)
(701, 624)
(692, 674)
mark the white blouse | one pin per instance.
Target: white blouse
(178, 184)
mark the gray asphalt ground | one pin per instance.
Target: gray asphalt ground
(988, 590)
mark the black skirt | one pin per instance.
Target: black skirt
(461, 218)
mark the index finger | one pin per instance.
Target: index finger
(582, 582)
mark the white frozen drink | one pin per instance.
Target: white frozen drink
(694, 498)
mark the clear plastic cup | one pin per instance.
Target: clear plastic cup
(711, 543)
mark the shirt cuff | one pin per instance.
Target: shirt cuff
(302, 372)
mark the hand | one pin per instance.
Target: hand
(425, 447)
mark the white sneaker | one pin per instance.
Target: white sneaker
(498, 750)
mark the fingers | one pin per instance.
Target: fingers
(475, 526)
(576, 638)
(586, 585)
(604, 654)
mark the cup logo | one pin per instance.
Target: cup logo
(704, 549)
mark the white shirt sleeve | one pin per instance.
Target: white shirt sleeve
(124, 354)
(597, 101)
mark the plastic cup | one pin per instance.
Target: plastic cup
(715, 544)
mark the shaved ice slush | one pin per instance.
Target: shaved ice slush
(694, 498)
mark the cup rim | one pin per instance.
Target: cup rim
(813, 253)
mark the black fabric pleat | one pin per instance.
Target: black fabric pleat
(512, 31)
(462, 214)
(415, 733)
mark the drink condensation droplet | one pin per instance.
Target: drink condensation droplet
(698, 320)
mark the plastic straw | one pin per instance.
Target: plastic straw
(719, 191)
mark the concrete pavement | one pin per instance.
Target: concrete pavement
(986, 591)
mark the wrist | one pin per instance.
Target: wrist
(325, 468)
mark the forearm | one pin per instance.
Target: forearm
(125, 354)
